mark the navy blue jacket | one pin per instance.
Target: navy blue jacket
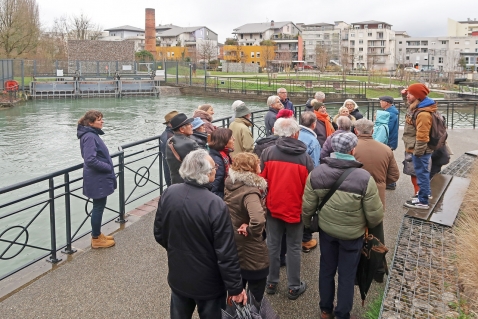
(99, 178)
(288, 105)
(165, 136)
(393, 127)
(218, 184)
(270, 120)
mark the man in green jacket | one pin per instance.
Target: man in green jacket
(343, 220)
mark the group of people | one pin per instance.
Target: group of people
(235, 210)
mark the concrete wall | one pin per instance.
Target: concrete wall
(240, 67)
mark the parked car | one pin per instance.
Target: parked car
(308, 67)
(410, 69)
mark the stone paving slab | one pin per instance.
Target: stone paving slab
(129, 280)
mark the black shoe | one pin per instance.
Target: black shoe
(282, 261)
(391, 187)
(295, 293)
(271, 288)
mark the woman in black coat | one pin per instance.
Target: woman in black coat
(99, 178)
(220, 146)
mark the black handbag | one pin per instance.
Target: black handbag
(314, 221)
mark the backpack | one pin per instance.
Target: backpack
(438, 133)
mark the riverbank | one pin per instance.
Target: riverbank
(8, 100)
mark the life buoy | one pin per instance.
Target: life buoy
(11, 86)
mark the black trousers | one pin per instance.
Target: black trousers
(256, 287)
(183, 307)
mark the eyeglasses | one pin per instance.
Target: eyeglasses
(282, 92)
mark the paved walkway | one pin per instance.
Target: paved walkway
(129, 280)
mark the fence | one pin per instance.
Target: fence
(54, 202)
(6, 71)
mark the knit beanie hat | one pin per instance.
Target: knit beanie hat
(418, 90)
(284, 113)
(240, 109)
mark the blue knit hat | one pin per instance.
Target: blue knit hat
(197, 123)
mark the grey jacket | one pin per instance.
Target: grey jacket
(270, 119)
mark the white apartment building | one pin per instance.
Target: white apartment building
(323, 35)
(190, 36)
(462, 28)
(369, 45)
(125, 32)
(439, 53)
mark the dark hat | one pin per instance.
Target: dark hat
(419, 90)
(344, 142)
(179, 120)
(386, 98)
(169, 116)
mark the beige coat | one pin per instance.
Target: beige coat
(378, 160)
(242, 135)
(243, 193)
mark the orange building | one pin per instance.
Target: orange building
(258, 54)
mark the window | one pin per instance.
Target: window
(252, 61)
(258, 63)
(476, 42)
(399, 42)
(369, 34)
(457, 42)
(379, 35)
(258, 54)
(476, 50)
(407, 58)
(250, 35)
(379, 26)
(433, 43)
(169, 54)
(352, 42)
(382, 50)
(400, 50)
(365, 26)
(352, 35)
(252, 54)
(360, 41)
(242, 36)
(242, 54)
(260, 35)
(310, 42)
(443, 42)
(356, 27)
(360, 35)
(360, 49)
(440, 59)
(360, 57)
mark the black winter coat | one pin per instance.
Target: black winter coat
(195, 228)
(165, 136)
(218, 184)
(183, 145)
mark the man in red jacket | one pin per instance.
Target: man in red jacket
(285, 166)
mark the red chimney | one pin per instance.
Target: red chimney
(150, 31)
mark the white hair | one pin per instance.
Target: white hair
(272, 99)
(286, 127)
(364, 126)
(196, 167)
(280, 89)
(319, 95)
(344, 123)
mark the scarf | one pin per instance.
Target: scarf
(227, 161)
(324, 117)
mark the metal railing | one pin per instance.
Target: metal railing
(54, 202)
(44, 215)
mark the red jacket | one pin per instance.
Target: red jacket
(286, 166)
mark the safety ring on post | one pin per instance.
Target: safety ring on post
(11, 86)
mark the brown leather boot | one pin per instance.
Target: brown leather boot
(307, 246)
(101, 242)
(326, 315)
(105, 236)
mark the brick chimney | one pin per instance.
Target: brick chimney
(150, 31)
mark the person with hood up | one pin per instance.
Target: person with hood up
(205, 113)
(243, 194)
(285, 166)
(353, 109)
(99, 179)
(416, 135)
(240, 128)
(199, 133)
(380, 127)
(386, 103)
(275, 105)
(324, 127)
(220, 148)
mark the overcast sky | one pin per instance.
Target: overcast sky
(417, 17)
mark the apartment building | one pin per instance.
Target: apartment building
(462, 28)
(323, 39)
(438, 53)
(369, 45)
(285, 34)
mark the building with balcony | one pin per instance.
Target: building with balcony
(286, 35)
(323, 39)
(369, 45)
(126, 33)
(462, 28)
(438, 53)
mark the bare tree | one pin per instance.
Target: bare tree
(19, 27)
(76, 28)
(207, 50)
(322, 56)
(267, 56)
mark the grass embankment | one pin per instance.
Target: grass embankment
(373, 308)
(466, 231)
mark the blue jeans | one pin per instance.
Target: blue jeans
(99, 205)
(343, 255)
(183, 307)
(420, 163)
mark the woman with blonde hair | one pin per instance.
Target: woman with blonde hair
(343, 111)
(205, 113)
(244, 193)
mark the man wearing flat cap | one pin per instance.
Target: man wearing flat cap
(416, 135)
(165, 136)
(343, 219)
(387, 104)
(179, 145)
(240, 128)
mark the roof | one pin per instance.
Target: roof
(260, 27)
(469, 22)
(161, 28)
(175, 31)
(125, 28)
(372, 22)
(320, 24)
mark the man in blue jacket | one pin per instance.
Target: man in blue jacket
(386, 103)
(282, 93)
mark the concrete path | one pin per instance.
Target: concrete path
(129, 280)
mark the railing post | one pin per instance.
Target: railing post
(22, 67)
(68, 250)
(165, 71)
(51, 192)
(452, 114)
(177, 72)
(161, 185)
(122, 204)
(474, 115)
